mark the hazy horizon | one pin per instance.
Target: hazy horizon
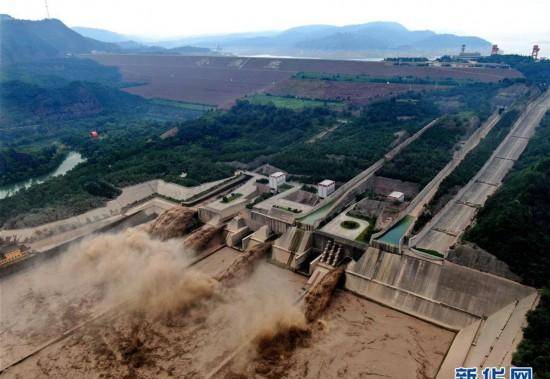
(514, 28)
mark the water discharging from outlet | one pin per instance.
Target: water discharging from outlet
(173, 223)
(201, 237)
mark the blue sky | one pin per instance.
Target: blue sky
(514, 25)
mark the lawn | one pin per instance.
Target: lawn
(184, 105)
(293, 103)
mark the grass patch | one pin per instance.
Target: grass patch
(184, 105)
(308, 188)
(293, 103)
(362, 78)
(259, 199)
(430, 252)
(288, 209)
(284, 187)
(368, 232)
(231, 197)
(349, 224)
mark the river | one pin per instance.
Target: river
(70, 161)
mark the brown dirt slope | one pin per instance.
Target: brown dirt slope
(222, 80)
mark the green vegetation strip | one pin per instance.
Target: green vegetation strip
(293, 103)
(231, 197)
(362, 78)
(259, 199)
(468, 168)
(430, 252)
(426, 156)
(184, 105)
(288, 209)
(368, 232)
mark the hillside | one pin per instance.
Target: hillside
(24, 40)
(370, 39)
(31, 103)
(514, 225)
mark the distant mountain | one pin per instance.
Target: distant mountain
(102, 34)
(24, 40)
(130, 45)
(378, 39)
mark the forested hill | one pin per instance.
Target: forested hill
(537, 72)
(25, 40)
(31, 103)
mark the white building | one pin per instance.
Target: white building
(396, 196)
(325, 188)
(276, 179)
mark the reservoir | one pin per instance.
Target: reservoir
(71, 160)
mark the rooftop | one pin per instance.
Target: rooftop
(327, 182)
(277, 174)
(396, 194)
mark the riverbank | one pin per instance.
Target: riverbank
(72, 159)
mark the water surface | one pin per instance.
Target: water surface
(71, 160)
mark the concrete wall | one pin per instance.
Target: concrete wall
(256, 220)
(442, 292)
(130, 195)
(208, 213)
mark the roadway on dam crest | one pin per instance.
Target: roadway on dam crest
(447, 226)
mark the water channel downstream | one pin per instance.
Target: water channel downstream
(71, 160)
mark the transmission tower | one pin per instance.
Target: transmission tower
(47, 9)
(535, 52)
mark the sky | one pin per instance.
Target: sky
(514, 25)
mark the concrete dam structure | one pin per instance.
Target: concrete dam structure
(437, 291)
(487, 312)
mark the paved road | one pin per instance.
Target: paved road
(447, 226)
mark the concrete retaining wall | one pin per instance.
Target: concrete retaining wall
(441, 292)
(256, 220)
(130, 196)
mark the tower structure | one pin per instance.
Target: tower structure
(47, 9)
(535, 52)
